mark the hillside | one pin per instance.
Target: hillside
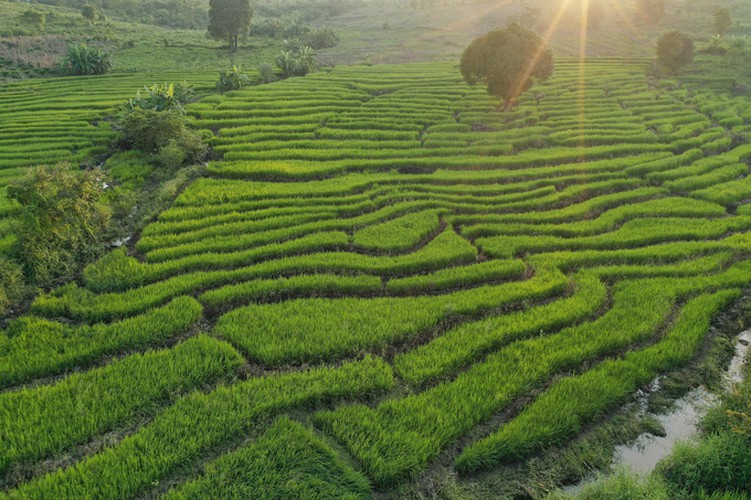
(421, 282)
(374, 32)
(374, 281)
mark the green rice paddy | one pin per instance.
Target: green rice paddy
(382, 276)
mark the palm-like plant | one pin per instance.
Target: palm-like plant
(306, 58)
(297, 63)
(287, 63)
(161, 97)
(232, 80)
(84, 60)
(740, 43)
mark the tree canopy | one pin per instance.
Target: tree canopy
(674, 50)
(721, 21)
(507, 61)
(229, 20)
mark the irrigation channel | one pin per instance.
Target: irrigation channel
(680, 424)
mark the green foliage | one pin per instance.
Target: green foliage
(229, 20)
(164, 134)
(298, 62)
(324, 38)
(623, 485)
(674, 50)
(172, 155)
(740, 44)
(84, 60)
(63, 220)
(89, 12)
(130, 169)
(267, 73)
(719, 463)
(282, 288)
(397, 439)
(118, 272)
(163, 97)
(36, 18)
(507, 61)
(445, 250)
(233, 79)
(460, 345)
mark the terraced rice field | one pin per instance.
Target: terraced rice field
(55, 120)
(383, 274)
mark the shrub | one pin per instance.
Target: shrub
(299, 62)
(171, 155)
(62, 221)
(84, 60)
(36, 18)
(162, 133)
(321, 39)
(267, 73)
(232, 80)
(740, 44)
(162, 97)
(89, 12)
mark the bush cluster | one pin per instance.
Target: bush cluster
(233, 79)
(153, 122)
(298, 62)
(63, 220)
(84, 60)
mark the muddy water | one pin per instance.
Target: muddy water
(682, 423)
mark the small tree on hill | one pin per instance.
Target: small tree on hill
(507, 61)
(674, 50)
(229, 20)
(650, 11)
(721, 21)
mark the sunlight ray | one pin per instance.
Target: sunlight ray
(557, 18)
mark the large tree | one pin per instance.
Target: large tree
(229, 20)
(507, 61)
(674, 50)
